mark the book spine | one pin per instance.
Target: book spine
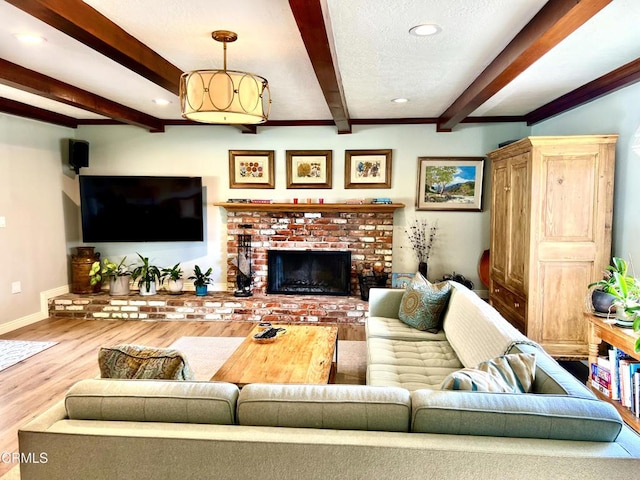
(601, 388)
(601, 375)
(614, 359)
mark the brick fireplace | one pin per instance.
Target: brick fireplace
(364, 230)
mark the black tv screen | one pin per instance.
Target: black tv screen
(141, 209)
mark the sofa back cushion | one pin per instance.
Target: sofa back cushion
(152, 401)
(341, 407)
(475, 330)
(514, 415)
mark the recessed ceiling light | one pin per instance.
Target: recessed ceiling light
(425, 30)
(161, 101)
(30, 38)
(400, 100)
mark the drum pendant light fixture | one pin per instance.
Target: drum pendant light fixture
(224, 96)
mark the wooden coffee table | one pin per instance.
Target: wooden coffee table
(302, 354)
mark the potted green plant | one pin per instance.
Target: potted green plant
(623, 291)
(174, 279)
(118, 274)
(147, 275)
(201, 280)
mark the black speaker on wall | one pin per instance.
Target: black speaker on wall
(78, 154)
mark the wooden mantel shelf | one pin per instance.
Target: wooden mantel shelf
(309, 207)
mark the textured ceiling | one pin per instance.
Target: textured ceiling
(376, 58)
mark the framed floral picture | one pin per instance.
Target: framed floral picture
(309, 168)
(251, 169)
(450, 183)
(367, 169)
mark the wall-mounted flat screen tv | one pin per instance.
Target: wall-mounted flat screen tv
(141, 209)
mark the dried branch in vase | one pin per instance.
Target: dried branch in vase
(422, 235)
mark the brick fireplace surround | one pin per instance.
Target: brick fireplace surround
(365, 230)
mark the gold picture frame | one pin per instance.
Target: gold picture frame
(309, 168)
(251, 169)
(450, 183)
(367, 169)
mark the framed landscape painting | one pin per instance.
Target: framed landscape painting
(251, 169)
(450, 183)
(367, 169)
(309, 168)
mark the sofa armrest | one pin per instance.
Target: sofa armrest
(47, 418)
(385, 302)
(556, 417)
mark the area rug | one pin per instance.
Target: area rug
(14, 351)
(207, 354)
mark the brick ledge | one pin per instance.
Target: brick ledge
(216, 306)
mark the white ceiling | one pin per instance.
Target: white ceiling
(377, 58)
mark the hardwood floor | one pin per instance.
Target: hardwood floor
(33, 385)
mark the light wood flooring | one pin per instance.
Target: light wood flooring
(33, 385)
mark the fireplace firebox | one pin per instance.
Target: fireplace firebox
(307, 272)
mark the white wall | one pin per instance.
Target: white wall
(203, 151)
(33, 243)
(619, 113)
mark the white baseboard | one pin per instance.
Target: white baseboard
(35, 317)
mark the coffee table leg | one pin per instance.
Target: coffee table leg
(334, 364)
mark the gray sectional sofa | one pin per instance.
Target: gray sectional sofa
(400, 425)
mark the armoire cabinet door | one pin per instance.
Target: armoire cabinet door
(518, 225)
(499, 220)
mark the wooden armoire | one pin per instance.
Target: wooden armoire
(551, 213)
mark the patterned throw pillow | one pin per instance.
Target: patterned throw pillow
(513, 373)
(423, 303)
(137, 362)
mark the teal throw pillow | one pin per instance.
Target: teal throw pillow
(512, 373)
(423, 304)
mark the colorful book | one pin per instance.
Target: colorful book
(601, 375)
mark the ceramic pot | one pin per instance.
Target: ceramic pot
(602, 302)
(119, 285)
(201, 290)
(148, 291)
(175, 286)
(80, 268)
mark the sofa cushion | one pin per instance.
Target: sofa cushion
(410, 365)
(475, 330)
(391, 327)
(514, 415)
(139, 361)
(341, 407)
(508, 373)
(423, 303)
(152, 401)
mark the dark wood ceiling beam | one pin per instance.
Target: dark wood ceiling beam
(615, 80)
(314, 30)
(87, 25)
(27, 80)
(82, 22)
(20, 109)
(552, 24)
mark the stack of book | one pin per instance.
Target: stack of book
(617, 376)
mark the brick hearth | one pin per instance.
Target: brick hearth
(216, 306)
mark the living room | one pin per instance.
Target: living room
(40, 199)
